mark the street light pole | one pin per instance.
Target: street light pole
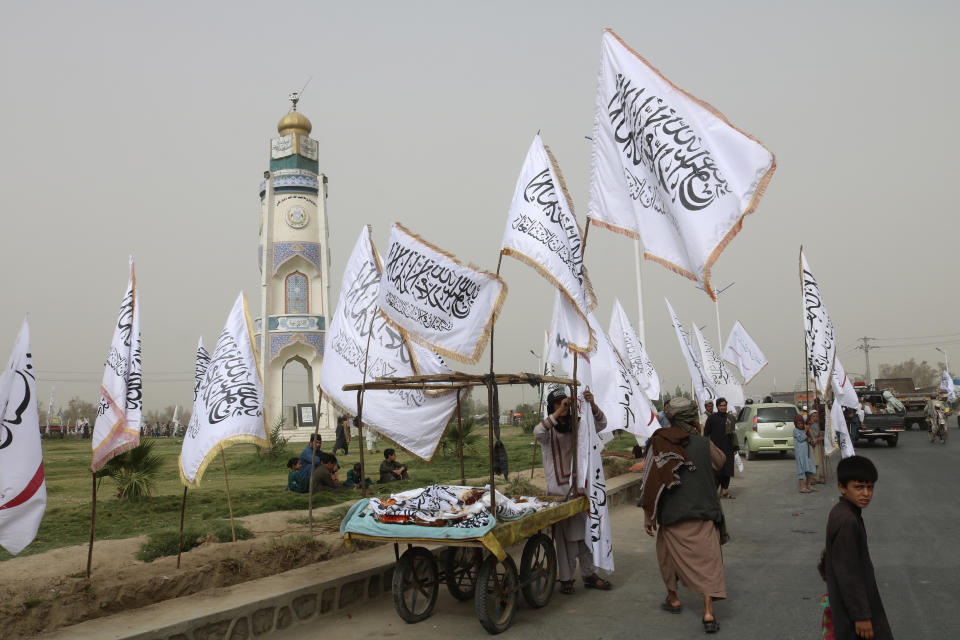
(716, 306)
(946, 359)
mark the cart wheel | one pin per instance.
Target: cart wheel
(415, 584)
(538, 570)
(460, 568)
(497, 598)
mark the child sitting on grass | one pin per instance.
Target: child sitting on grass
(854, 597)
(296, 482)
(353, 478)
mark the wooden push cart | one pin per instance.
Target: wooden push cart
(477, 568)
(480, 568)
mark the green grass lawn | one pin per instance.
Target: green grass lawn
(256, 486)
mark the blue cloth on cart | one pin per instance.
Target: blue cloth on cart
(355, 522)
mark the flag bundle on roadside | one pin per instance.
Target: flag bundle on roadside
(669, 168)
(119, 410)
(410, 417)
(821, 340)
(228, 402)
(23, 491)
(439, 302)
(702, 384)
(742, 352)
(542, 232)
(626, 341)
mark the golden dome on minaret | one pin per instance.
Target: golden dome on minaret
(294, 122)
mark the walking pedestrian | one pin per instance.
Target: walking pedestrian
(720, 428)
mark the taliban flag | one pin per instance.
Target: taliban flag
(838, 436)
(440, 303)
(743, 353)
(542, 232)
(630, 347)
(412, 418)
(946, 384)
(821, 340)
(668, 168)
(23, 492)
(563, 323)
(117, 428)
(702, 384)
(843, 387)
(723, 381)
(228, 397)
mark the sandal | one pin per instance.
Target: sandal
(729, 496)
(596, 582)
(805, 491)
(671, 608)
(711, 626)
(566, 587)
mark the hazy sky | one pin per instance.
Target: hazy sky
(143, 128)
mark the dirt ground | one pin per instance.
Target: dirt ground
(50, 590)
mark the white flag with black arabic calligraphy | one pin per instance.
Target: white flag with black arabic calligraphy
(598, 533)
(542, 232)
(743, 353)
(23, 491)
(229, 398)
(203, 361)
(843, 386)
(669, 168)
(119, 410)
(841, 435)
(631, 348)
(413, 419)
(702, 384)
(441, 303)
(946, 384)
(562, 324)
(723, 381)
(821, 339)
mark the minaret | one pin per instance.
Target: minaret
(299, 276)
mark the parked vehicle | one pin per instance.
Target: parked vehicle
(765, 428)
(915, 401)
(878, 425)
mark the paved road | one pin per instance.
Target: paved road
(772, 582)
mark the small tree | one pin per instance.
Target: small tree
(278, 443)
(135, 472)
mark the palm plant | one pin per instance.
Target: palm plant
(135, 472)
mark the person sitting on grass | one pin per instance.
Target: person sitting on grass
(310, 456)
(353, 478)
(390, 469)
(325, 477)
(296, 482)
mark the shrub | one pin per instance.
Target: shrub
(135, 472)
(164, 543)
(520, 486)
(278, 443)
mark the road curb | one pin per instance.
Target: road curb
(274, 603)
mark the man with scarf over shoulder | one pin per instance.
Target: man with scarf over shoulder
(680, 498)
(555, 435)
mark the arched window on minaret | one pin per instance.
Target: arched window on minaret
(297, 293)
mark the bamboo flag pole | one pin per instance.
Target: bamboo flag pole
(313, 467)
(183, 508)
(490, 416)
(93, 522)
(463, 478)
(226, 481)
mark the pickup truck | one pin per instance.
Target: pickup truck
(883, 426)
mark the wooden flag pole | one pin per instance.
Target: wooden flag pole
(316, 431)
(93, 523)
(463, 478)
(363, 383)
(490, 416)
(226, 481)
(183, 508)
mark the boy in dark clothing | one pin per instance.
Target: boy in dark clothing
(310, 456)
(854, 596)
(390, 469)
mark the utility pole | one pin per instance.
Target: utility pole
(866, 347)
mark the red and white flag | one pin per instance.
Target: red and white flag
(742, 352)
(119, 410)
(667, 167)
(23, 492)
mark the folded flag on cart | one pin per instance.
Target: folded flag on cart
(23, 491)
(543, 232)
(667, 167)
(441, 303)
(119, 410)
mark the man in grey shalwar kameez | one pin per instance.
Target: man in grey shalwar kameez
(555, 435)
